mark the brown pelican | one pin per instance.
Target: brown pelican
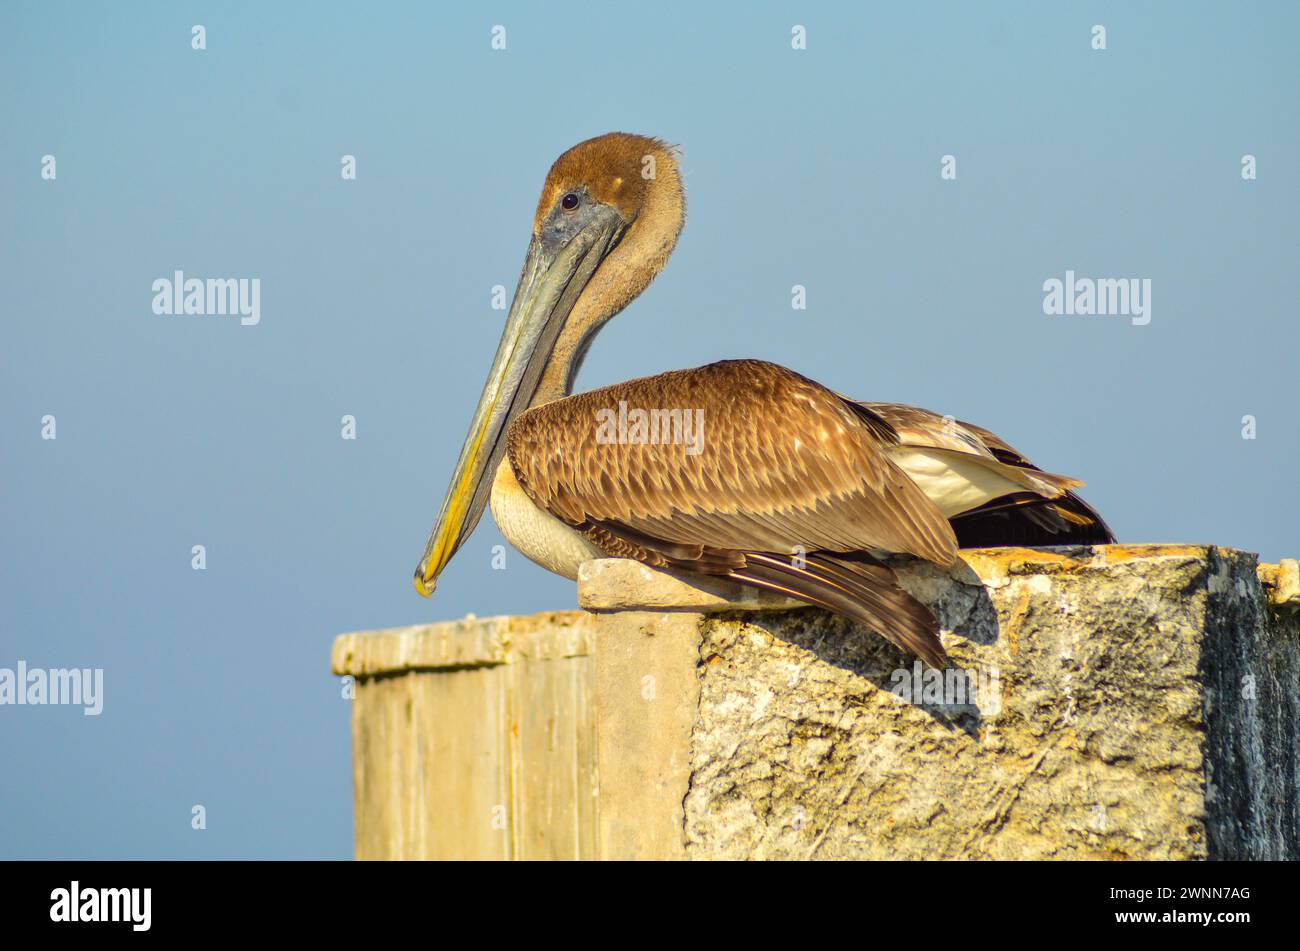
(792, 487)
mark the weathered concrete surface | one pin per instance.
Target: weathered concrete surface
(1111, 702)
(474, 739)
(645, 746)
(1282, 583)
(1141, 703)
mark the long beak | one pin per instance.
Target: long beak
(553, 277)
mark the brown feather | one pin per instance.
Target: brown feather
(784, 464)
(871, 597)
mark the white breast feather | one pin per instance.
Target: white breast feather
(538, 535)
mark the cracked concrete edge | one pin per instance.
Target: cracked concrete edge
(1281, 582)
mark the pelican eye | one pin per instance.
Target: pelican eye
(569, 201)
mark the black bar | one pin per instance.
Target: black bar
(1001, 900)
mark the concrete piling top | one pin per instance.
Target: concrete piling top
(1122, 701)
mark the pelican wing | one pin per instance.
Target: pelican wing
(769, 479)
(739, 456)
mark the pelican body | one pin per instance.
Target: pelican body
(741, 469)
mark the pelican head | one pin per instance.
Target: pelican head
(608, 217)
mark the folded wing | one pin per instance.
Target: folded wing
(766, 477)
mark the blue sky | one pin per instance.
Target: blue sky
(817, 167)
